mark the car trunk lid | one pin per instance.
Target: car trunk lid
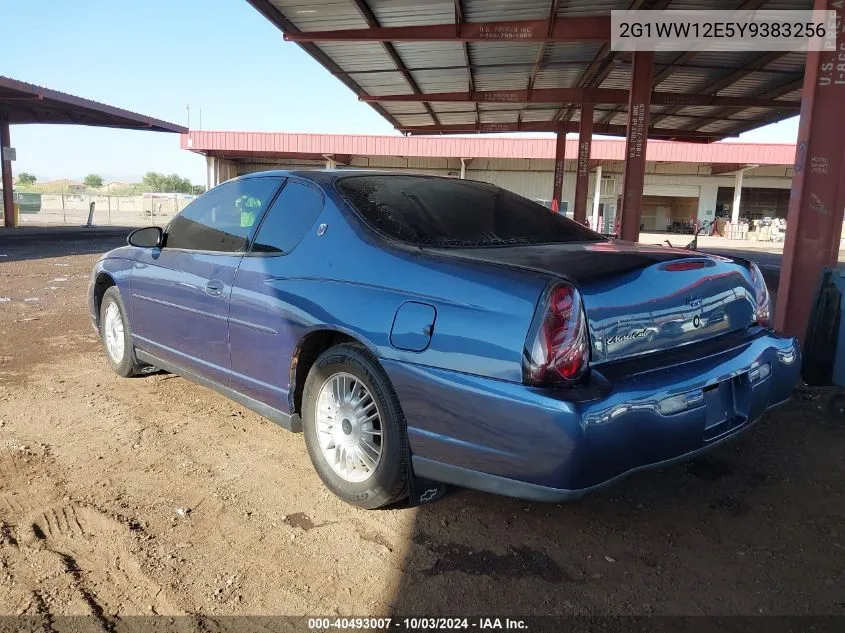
(640, 299)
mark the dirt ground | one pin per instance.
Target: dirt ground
(156, 496)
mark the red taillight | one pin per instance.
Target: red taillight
(763, 301)
(557, 350)
(680, 266)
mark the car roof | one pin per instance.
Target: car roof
(325, 176)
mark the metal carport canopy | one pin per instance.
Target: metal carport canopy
(21, 102)
(463, 66)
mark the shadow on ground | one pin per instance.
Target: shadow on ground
(45, 242)
(754, 528)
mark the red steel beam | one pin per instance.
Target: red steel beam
(551, 126)
(567, 63)
(538, 95)
(8, 197)
(560, 162)
(693, 118)
(818, 187)
(582, 171)
(573, 29)
(698, 118)
(580, 95)
(635, 145)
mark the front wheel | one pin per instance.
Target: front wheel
(354, 428)
(116, 336)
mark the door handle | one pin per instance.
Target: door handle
(214, 288)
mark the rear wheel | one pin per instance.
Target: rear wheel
(354, 428)
(116, 336)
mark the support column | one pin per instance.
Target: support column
(737, 198)
(639, 102)
(560, 159)
(8, 196)
(210, 173)
(463, 168)
(597, 200)
(582, 173)
(817, 203)
(707, 195)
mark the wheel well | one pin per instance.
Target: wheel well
(103, 283)
(307, 351)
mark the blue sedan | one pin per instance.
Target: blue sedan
(431, 329)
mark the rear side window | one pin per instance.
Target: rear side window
(430, 211)
(223, 219)
(288, 220)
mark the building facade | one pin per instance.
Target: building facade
(685, 182)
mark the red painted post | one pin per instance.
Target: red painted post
(8, 198)
(814, 223)
(560, 159)
(635, 145)
(582, 173)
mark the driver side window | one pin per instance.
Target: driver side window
(223, 219)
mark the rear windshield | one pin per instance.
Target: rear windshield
(430, 211)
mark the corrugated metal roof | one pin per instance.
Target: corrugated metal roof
(27, 103)
(427, 54)
(384, 83)
(505, 10)
(319, 15)
(412, 13)
(566, 77)
(500, 78)
(507, 61)
(270, 143)
(596, 7)
(352, 56)
(452, 80)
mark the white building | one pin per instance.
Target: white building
(684, 182)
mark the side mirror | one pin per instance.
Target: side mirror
(148, 237)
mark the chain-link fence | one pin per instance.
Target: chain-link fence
(73, 209)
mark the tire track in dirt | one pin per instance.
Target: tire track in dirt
(8, 466)
(63, 556)
(86, 562)
(59, 522)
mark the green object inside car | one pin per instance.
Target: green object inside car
(248, 207)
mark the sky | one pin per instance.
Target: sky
(156, 57)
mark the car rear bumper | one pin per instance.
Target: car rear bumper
(556, 444)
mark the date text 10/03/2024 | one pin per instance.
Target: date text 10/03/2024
(417, 624)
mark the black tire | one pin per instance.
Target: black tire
(128, 365)
(389, 481)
